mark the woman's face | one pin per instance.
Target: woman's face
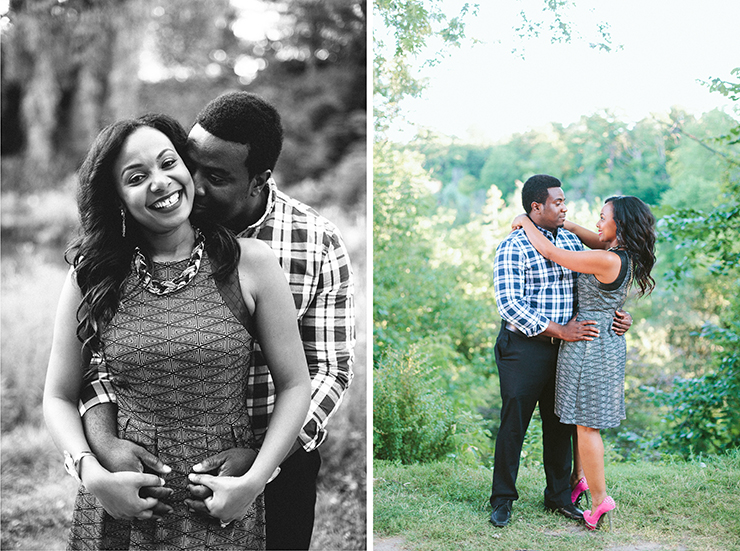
(606, 225)
(153, 182)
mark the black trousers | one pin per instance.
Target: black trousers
(290, 500)
(526, 370)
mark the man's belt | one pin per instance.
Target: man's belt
(543, 338)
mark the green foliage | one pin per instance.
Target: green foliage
(429, 278)
(661, 160)
(704, 411)
(415, 422)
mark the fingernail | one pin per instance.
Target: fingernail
(197, 466)
(161, 481)
(167, 469)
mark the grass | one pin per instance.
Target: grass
(673, 505)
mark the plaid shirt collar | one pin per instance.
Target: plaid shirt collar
(269, 207)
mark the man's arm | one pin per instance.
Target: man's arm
(509, 267)
(328, 335)
(99, 419)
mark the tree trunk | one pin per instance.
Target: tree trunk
(131, 23)
(39, 107)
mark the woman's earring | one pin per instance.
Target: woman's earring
(123, 222)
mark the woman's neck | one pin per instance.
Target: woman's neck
(170, 246)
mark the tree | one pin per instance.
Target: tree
(705, 411)
(72, 67)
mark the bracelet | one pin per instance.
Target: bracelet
(72, 464)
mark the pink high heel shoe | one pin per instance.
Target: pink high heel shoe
(607, 506)
(580, 491)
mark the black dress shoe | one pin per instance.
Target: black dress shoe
(502, 514)
(568, 511)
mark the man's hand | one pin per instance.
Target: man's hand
(575, 330)
(118, 455)
(234, 462)
(622, 322)
(123, 455)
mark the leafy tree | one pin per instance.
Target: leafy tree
(705, 411)
(694, 162)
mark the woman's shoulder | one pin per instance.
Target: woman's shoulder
(252, 247)
(255, 255)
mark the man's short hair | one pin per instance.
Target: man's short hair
(246, 118)
(535, 190)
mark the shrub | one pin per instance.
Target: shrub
(414, 421)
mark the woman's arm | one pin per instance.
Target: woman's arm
(118, 494)
(604, 265)
(587, 237)
(270, 301)
(276, 329)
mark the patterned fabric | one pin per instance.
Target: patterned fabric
(589, 387)
(315, 261)
(531, 290)
(179, 366)
(169, 286)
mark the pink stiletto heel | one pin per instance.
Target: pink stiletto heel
(580, 491)
(592, 520)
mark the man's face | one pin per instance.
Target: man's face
(551, 214)
(223, 188)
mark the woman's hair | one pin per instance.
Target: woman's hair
(636, 233)
(101, 255)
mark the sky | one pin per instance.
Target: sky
(483, 92)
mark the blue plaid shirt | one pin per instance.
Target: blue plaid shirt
(531, 290)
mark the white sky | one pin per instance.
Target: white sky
(485, 92)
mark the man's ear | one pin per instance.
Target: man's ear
(259, 182)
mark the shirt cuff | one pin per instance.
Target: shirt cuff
(100, 396)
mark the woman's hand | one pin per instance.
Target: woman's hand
(118, 493)
(232, 496)
(519, 222)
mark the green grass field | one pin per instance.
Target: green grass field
(673, 505)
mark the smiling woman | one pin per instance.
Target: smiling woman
(154, 184)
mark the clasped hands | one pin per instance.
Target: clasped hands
(216, 486)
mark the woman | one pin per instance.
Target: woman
(589, 391)
(146, 294)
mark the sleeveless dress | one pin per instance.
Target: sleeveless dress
(179, 366)
(589, 384)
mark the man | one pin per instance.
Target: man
(235, 143)
(535, 298)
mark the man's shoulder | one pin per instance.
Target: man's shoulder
(515, 240)
(569, 238)
(298, 213)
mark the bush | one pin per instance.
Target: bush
(413, 421)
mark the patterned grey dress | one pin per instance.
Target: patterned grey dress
(589, 385)
(179, 364)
